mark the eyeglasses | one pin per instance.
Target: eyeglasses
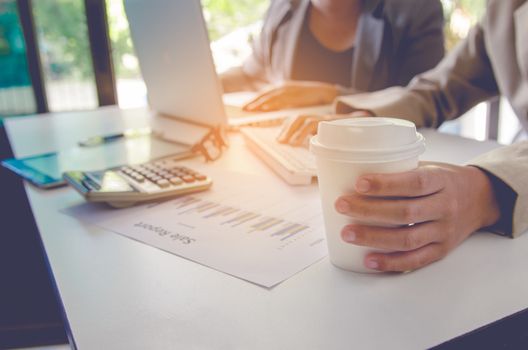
(211, 146)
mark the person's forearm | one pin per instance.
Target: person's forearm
(460, 81)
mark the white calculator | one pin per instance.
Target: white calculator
(128, 185)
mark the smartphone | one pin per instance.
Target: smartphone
(43, 170)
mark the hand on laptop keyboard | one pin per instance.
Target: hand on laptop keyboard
(297, 130)
(293, 95)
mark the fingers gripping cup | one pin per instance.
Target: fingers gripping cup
(347, 148)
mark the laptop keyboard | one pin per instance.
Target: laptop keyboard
(295, 164)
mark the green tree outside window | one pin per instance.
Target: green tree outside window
(14, 70)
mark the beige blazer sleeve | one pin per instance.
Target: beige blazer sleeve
(461, 80)
(510, 164)
(464, 78)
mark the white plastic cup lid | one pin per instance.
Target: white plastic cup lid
(370, 139)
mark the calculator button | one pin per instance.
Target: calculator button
(155, 178)
(139, 178)
(176, 181)
(151, 168)
(163, 183)
(188, 178)
(200, 177)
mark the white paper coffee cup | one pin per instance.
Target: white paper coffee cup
(347, 148)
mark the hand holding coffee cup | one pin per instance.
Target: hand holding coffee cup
(445, 203)
(344, 150)
(383, 210)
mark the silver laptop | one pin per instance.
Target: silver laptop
(171, 42)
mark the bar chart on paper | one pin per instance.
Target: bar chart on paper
(195, 210)
(253, 234)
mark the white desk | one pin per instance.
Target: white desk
(122, 294)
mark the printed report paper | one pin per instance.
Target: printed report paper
(259, 230)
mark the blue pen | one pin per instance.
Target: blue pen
(99, 140)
